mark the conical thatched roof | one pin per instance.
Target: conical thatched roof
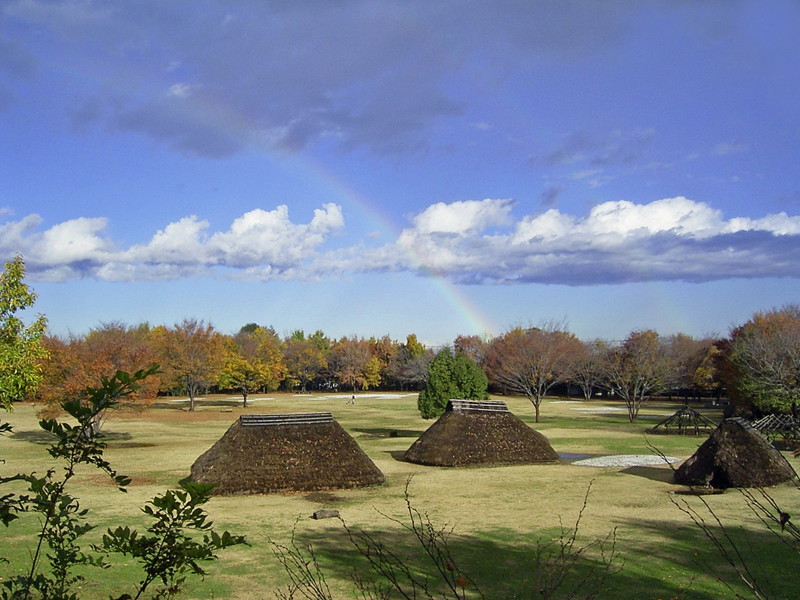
(735, 455)
(479, 433)
(278, 453)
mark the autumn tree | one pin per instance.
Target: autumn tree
(192, 356)
(411, 363)
(385, 350)
(708, 376)
(685, 354)
(451, 377)
(531, 361)
(77, 362)
(472, 346)
(638, 368)
(21, 348)
(587, 368)
(253, 361)
(352, 363)
(765, 352)
(269, 350)
(306, 357)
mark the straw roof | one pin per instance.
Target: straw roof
(280, 453)
(735, 455)
(479, 433)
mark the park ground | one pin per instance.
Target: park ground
(498, 514)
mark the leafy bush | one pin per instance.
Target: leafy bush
(167, 552)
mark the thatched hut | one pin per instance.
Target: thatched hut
(261, 454)
(735, 455)
(479, 433)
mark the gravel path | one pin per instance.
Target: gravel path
(626, 460)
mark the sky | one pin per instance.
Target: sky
(375, 167)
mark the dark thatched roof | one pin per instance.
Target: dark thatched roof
(479, 433)
(261, 454)
(735, 455)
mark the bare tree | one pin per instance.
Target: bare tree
(411, 362)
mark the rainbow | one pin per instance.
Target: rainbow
(474, 319)
(208, 110)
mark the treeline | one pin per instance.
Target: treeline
(757, 365)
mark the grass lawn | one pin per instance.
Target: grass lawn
(498, 514)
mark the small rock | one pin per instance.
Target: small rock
(325, 513)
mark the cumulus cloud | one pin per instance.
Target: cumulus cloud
(667, 239)
(461, 218)
(478, 242)
(267, 241)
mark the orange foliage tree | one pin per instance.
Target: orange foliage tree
(192, 356)
(765, 353)
(77, 363)
(531, 361)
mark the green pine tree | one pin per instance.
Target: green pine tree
(451, 377)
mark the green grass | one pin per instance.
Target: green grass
(498, 514)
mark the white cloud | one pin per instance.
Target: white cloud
(462, 218)
(179, 242)
(266, 240)
(260, 236)
(74, 241)
(671, 238)
(181, 90)
(468, 241)
(778, 224)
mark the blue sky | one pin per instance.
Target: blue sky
(374, 167)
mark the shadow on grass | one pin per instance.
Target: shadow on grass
(654, 562)
(771, 561)
(41, 437)
(398, 455)
(388, 432)
(35, 436)
(652, 473)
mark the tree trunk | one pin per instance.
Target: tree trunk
(244, 397)
(536, 407)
